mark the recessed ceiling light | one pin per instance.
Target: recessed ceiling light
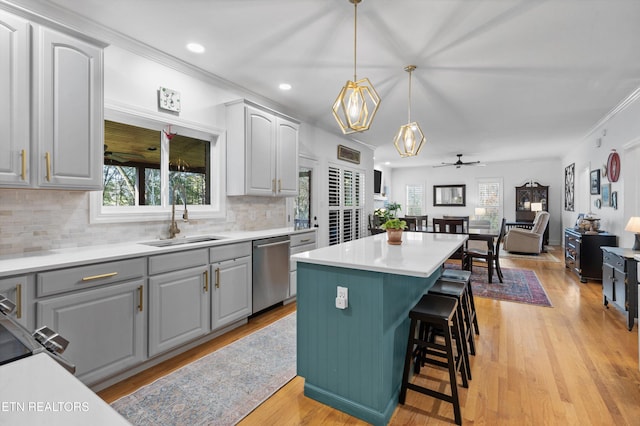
(195, 47)
(285, 86)
(387, 162)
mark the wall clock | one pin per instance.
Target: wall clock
(613, 167)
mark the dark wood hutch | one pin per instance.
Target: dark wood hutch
(530, 196)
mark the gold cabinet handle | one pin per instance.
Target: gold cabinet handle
(19, 301)
(279, 185)
(24, 164)
(95, 277)
(217, 277)
(140, 295)
(206, 281)
(47, 156)
(273, 185)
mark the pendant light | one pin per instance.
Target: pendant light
(358, 101)
(409, 139)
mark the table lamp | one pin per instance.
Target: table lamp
(634, 226)
(536, 207)
(480, 211)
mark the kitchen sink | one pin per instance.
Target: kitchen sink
(179, 241)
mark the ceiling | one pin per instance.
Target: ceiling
(496, 80)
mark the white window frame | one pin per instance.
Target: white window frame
(500, 181)
(422, 204)
(217, 207)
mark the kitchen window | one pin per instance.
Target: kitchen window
(149, 165)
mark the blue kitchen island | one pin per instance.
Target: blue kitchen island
(352, 359)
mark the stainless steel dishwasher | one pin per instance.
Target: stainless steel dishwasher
(270, 271)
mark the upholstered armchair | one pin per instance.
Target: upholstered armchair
(527, 240)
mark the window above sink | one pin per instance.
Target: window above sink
(149, 159)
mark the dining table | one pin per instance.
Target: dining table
(487, 234)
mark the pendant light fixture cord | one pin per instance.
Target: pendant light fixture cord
(355, 37)
(409, 114)
(409, 69)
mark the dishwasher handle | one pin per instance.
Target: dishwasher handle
(271, 244)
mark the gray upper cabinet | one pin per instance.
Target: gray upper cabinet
(51, 108)
(70, 117)
(14, 102)
(262, 151)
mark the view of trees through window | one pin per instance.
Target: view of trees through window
(132, 172)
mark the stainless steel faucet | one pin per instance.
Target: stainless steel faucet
(173, 228)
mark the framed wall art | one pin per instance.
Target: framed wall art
(606, 194)
(595, 182)
(614, 200)
(569, 186)
(348, 154)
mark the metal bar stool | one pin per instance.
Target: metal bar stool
(432, 313)
(465, 277)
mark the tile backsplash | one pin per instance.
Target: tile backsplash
(36, 220)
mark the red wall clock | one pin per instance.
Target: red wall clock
(613, 167)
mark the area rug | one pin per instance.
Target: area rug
(220, 388)
(520, 285)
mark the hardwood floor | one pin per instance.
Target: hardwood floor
(573, 364)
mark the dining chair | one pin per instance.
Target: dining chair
(421, 222)
(412, 223)
(465, 220)
(453, 226)
(490, 256)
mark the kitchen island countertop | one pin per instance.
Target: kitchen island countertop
(419, 255)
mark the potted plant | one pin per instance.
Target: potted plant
(394, 228)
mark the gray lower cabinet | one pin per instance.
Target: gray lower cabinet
(105, 327)
(179, 308)
(18, 290)
(231, 291)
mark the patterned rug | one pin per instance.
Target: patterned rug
(220, 388)
(520, 285)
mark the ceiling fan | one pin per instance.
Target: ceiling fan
(121, 157)
(460, 163)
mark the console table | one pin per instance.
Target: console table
(582, 252)
(620, 282)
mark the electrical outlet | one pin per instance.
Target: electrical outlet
(343, 292)
(342, 299)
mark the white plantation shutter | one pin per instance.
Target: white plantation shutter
(415, 200)
(345, 205)
(490, 198)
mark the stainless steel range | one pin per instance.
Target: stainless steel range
(16, 342)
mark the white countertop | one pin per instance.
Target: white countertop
(51, 259)
(420, 253)
(37, 391)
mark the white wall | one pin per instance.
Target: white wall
(619, 131)
(546, 172)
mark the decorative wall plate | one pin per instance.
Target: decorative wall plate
(613, 167)
(169, 99)
(598, 203)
